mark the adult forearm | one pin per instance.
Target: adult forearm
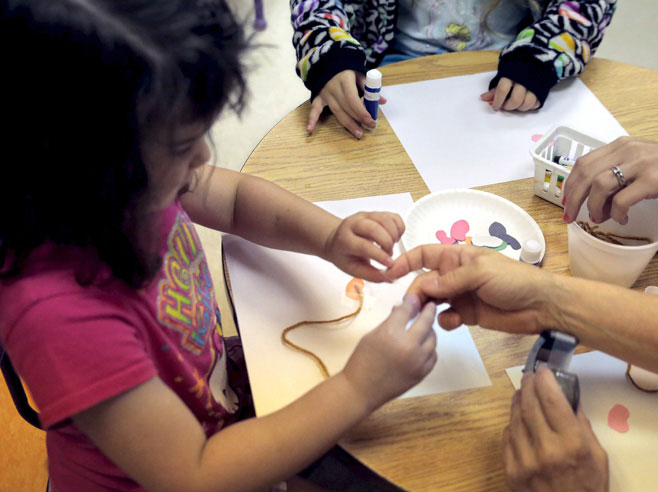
(618, 321)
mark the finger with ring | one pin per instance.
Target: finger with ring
(619, 175)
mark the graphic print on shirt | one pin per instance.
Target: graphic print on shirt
(185, 296)
(186, 304)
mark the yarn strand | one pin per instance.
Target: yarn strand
(293, 346)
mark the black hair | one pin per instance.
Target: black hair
(84, 81)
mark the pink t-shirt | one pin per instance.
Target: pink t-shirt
(76, 346)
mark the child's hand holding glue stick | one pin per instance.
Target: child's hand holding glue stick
(341, 96)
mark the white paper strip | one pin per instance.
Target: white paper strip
(456, 140)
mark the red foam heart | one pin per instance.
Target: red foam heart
(618, 418)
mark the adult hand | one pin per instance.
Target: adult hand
(592, 178)
(548, 448)
(510, 96)
(363, 237)
(482, 287)
(391, 358)
(341, 95)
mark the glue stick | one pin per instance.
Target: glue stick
(371, 94)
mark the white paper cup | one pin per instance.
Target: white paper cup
(596, 259)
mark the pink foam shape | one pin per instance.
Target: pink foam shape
(618, 418)
(459, 229)
(443, 238)
(536, 137)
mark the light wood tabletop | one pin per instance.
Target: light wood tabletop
(448, 441)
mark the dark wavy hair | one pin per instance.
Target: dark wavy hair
(84, 81)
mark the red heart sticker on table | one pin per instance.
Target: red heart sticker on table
(618, 418)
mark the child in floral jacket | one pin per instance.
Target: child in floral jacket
(542, 42)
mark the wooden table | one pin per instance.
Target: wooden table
(447, 441)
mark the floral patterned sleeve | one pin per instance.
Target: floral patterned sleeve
(322, 41)
(556, 46)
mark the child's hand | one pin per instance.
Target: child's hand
(341, 94)
(520, 98)
(391, 359)
(363, 237)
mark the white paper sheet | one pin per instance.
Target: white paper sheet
(456, 140)
(274, 289)
(603, 385)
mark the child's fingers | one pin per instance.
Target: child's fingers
(500, 95)
(374, 230)
(355, 107)
(402, 313)
(364, 248)
(424, 286)
(516, 97)
(426, 336)
(382, 100)
(317, 106)
(425, 256)
(489, 95)
(430, 363)
(367, 272)
(346, 120)
(391, 222)
(421, 330)
(529, 102)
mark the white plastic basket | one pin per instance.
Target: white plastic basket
(561, 141)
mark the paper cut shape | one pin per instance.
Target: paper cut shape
(444, 238)
(491, 242)
(618, 418)
(459, 229)
(354, 289)
(498, 238)
(497, 229)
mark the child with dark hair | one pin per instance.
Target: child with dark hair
(107, 309)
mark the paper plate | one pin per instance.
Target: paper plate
(470, 216)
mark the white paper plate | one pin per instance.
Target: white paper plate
(474, 212)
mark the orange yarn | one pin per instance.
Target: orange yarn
(354, 288)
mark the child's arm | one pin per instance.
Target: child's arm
(330, 62)
(322, 41)
(152, 435)
(266, 214)
(556, 46)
